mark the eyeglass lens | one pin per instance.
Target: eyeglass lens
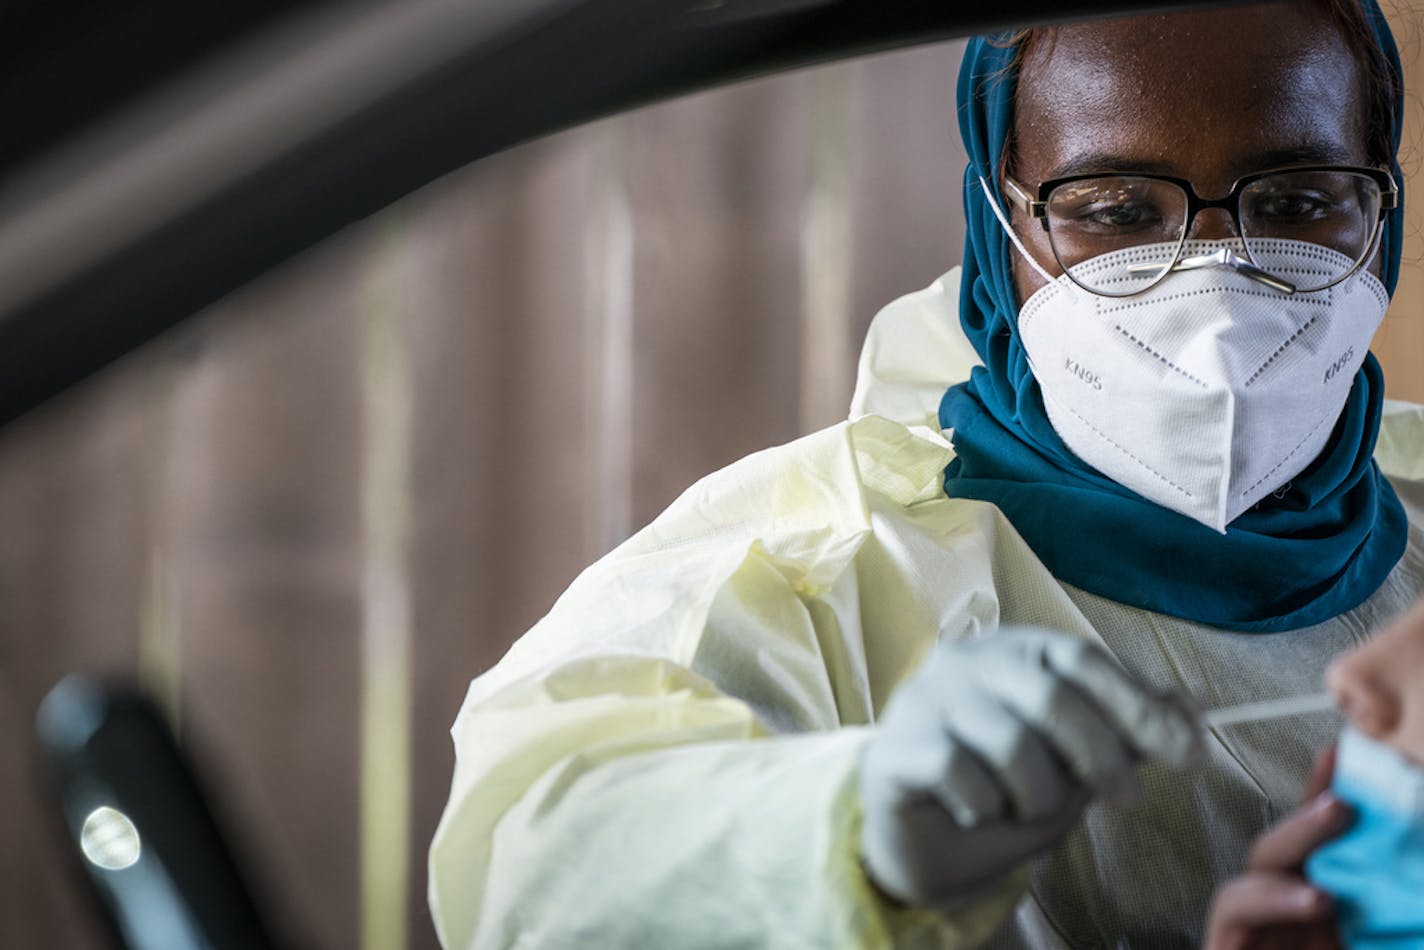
(1337, 210)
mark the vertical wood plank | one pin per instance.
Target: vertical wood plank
(505, 441)
(908, 167)
(160, 639)
(827, 262)
(718, 186)
(608, 328)
(385, 596)
(1399, 344)
(266, 552)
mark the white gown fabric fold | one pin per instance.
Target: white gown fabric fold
(667, 759)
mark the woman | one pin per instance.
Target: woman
(695, 748)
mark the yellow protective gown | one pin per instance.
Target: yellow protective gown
(668, 758)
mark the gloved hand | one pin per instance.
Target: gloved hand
(988, 754)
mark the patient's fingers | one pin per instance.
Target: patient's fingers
(1257, 899)
(1284, 847)
(1269, 910)
(1321, 773)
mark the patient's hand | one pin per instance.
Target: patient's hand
(1272, 905)
(1380, 688)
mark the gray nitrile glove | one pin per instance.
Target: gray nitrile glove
(989, 752)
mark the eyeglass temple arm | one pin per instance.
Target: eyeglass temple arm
(1389, 197)
(1023, 200)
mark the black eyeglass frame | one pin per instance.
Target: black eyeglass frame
(1037, 206)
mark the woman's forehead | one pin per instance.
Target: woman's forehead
(1205, 95)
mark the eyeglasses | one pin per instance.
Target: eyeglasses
(1335, 207)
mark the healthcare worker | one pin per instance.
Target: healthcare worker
(919, 679)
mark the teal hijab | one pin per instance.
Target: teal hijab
(1312, 552)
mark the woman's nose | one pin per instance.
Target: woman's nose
(1213, 224)
(1368, 701)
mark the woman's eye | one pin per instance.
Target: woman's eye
(1292, 206)
(1118, 216)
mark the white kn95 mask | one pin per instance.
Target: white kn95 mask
(1210, 390)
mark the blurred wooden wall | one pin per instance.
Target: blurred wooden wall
(306, 522)
(1400, 341)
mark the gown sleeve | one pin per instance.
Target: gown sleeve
(668, 758)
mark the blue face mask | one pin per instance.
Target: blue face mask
(1375, 870)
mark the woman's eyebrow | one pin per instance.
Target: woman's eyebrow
(1108, 162)
(1308, 153)
(1313, 153)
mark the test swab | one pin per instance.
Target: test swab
(1269, 709)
